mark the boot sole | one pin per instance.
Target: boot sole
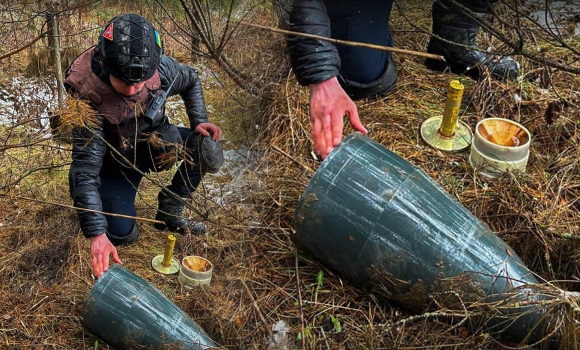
(174, 229)
(160, 226)
(455, 69)
(164, 227)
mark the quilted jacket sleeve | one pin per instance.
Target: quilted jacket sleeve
(187, 85)
(88, 150)
(313, 61)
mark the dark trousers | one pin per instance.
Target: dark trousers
(361, 21)
(119, 186)
(368, 22)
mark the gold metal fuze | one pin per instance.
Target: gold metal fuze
(446, 132)
(166, 263)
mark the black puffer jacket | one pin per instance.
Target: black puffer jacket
(313, 60)
(89, 149)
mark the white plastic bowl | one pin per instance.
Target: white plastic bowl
(195, 271)
(499, 145)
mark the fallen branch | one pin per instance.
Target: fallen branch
(257, 308)
(83, 209)
(300, 304)
(350, 43)
(293, 159)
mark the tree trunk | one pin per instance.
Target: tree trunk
(54, 44)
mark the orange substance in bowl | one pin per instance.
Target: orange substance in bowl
(197, 264)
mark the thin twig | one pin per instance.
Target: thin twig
(82, 279)
(349, 43)
(293, 159)
(11, 249)
(32, 171)
(83, 209)
(42, 35)
(266, 325)
(299, 298)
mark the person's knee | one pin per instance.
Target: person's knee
(206, 153)
(122, 233)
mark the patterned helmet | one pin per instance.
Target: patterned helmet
(130, 48)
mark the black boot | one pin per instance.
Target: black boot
(450, 24)
(170, 211)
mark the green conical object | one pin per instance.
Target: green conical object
(382, 223)
(127, 312)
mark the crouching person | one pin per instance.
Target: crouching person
(123, 78)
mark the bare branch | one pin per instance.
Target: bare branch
(42, 35)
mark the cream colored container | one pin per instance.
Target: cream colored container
(499, 145)
(195, 271)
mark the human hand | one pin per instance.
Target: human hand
(329, 103)
(101, 247)
(209, 129)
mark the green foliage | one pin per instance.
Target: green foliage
(322, 316)
(453, 182)
(307, 333)
(336, 323)
(319, 280)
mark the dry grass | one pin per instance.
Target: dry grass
(260, 277)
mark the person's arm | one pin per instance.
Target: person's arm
(313, 61)
(188, 86)
(88, 150)
(316, 64)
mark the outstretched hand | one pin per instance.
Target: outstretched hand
(209, 129)
(101, 248)
(329, 103)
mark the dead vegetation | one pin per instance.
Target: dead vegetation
(260, 277)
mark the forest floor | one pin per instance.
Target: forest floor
(266, 292)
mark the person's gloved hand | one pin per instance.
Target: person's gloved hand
(101, 248)
(209, 129)
(329, 103)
